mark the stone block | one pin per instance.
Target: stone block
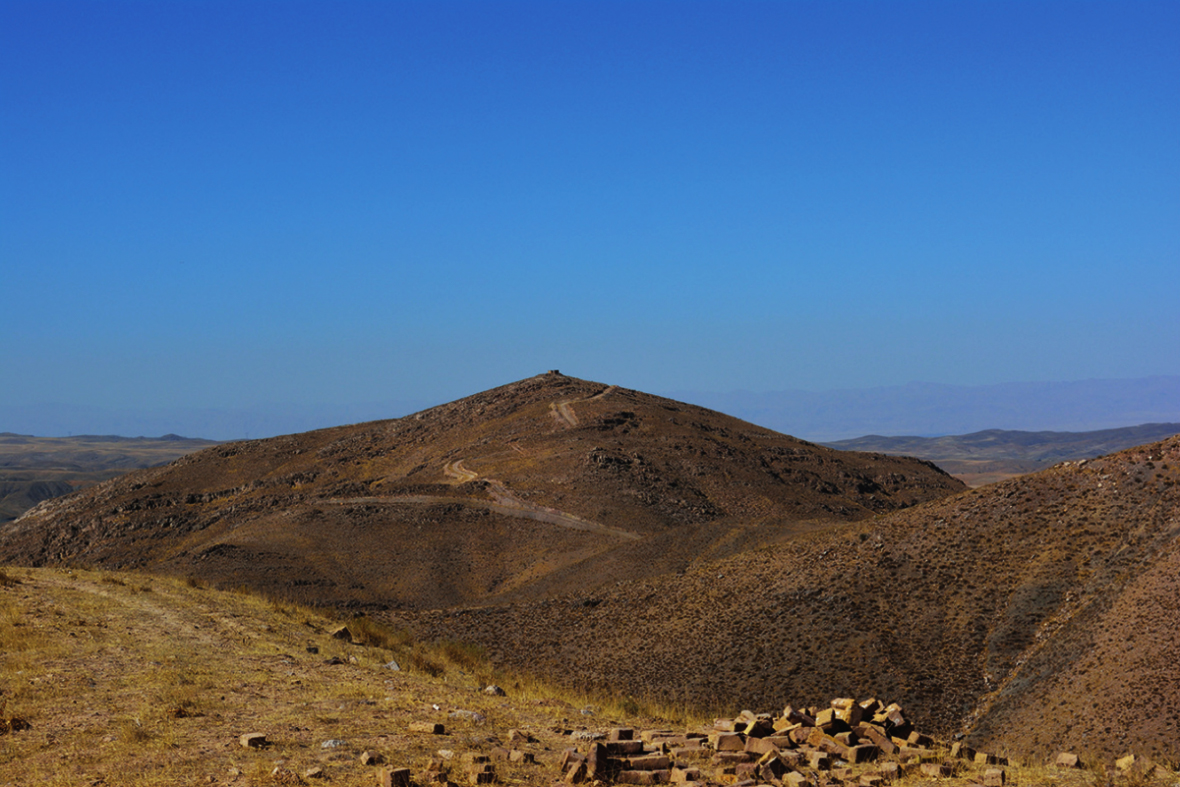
(1068, 760)
(794, 779)
(961, 751)
(935, 770)
(745, 770)
(919, 741)
(254, 740)
(993, 777)
(521, 757)
(730, 742)
(680, 775)
(866, 752)
(638, 777)
(819, 761)
(371, 758)
(621, 734)
(393, 777)
(760, 746)
(623, 748)
(427, 727)
(879, 739)
(649, 762)
(770, 768)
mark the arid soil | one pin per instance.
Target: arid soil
(541, 486)
(1032, 615)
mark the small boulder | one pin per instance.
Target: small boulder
(493, 690)
(254, 740)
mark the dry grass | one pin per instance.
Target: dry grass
(127, 687)
(122, 687)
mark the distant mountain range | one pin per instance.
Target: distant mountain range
(930, 409)
(994, 454)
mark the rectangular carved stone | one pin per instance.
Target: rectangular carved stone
(638, 777)
(993, 777)
(623, 748)
(427, 727)
(866, 752)
(651, 762)
(760, 746)
(394, 777)
(730, 742)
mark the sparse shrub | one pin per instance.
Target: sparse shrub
(7, 581)
(112, 580)
(630, 707)
(196, 582)
(419, 661)
(462, 654)
(378, 635)
(131, 731)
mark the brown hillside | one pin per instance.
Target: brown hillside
(1036, 615)
(548, 484)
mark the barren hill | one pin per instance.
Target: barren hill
(1034, 614)
(536, 487)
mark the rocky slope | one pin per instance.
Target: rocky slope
(1034, 615)
(541, 486)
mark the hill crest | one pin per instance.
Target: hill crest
(516, 492)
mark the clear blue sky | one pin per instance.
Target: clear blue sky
(207, 204)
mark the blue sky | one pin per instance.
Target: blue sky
(229, 205)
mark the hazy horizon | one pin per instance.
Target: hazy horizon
(914, 409)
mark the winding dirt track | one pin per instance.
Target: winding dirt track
(502, 502)
(564, 411)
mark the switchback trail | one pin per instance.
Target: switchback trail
(564, 411)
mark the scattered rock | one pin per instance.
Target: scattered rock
(393, 665)
(469, 715)
(494, 691)
(371, 758)
(394, 777)
(333, 743)
(342, 632)
(254, 740)
(314, 773)
(427, 727)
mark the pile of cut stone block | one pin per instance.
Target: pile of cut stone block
(849, 743)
